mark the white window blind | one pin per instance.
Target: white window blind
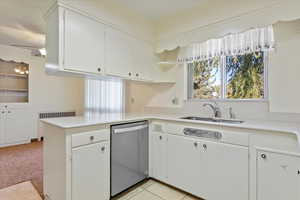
(103, 96)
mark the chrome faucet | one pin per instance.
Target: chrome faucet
(216, 109)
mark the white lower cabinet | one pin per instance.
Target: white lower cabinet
(184, 167)
(224, 171)
(210, 170)
(278, 176)
(2, 126)
(158, 148)
(90, 171)
(15, 126)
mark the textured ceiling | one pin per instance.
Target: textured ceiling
(22, 23)
(155, 9)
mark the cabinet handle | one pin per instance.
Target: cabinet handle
(99, 69)
(8, 111)
(205, 146)
(129, 73)
(2, 112)
(102, 149)
(136, 74)
(160, 137)
(263, 156)
(298, 172)
(92, 138)
(195, 144)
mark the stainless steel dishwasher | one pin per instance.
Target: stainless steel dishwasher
(129, 155)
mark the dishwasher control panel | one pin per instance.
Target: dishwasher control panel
(202, 133)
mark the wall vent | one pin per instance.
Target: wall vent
(56, 114)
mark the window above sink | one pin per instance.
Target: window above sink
(240, 77)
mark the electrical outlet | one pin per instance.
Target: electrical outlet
(175, 101)
(132, 100)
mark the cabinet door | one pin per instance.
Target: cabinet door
(184, 164)
(18, 126)
(83, 43)
(2, 125)
(119, 54)
(91, 172)
(225, 171)
(143, 61)
(278, 176)
(159, 156)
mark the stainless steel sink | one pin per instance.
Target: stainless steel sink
(213, 120)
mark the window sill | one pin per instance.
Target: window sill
(228, 100)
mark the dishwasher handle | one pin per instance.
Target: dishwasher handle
(129, 129)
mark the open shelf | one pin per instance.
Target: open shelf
(168, 59)
(14, 75)
(13, 85)
(13, 90)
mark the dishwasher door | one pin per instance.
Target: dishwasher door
(129, 155)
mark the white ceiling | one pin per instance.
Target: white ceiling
(22, 23)
(155, 9)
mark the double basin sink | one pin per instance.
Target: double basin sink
(208, 119)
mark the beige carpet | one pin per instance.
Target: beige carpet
(22, 163)
(21, 191)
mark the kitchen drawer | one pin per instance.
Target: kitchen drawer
(90, 137)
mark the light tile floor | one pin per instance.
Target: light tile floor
(21, 191)
(153, 190)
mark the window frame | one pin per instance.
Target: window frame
(189, 86)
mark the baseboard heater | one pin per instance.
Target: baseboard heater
(56, 114)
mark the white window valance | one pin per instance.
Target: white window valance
(259, 39)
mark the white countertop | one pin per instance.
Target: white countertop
(81, 121)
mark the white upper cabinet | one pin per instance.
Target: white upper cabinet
(119, 57)
(144, 61)
(74, 42)
(278, 175)
(83, 43)
(128, 57)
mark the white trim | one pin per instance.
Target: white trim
(185, 82)
(228, 100)
(270, 150)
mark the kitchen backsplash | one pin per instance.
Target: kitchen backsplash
(242, 110)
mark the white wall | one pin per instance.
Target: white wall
(215, 18)
(208, 12)
(284, 73)
(161, 96)
(46, 93)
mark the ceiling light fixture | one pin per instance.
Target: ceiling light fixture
(22, 69)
